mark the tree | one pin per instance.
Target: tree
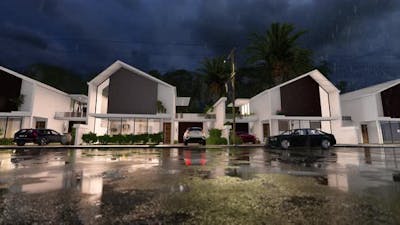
(279, 52)
(216, 73)
(342, 86)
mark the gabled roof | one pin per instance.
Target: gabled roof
(79, 98)
(239, 102)
(315, 74)
(118, 65)
(371, 90)
(30, 80)
(182, 101)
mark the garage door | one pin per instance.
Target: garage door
(184, 125)
(242, 127)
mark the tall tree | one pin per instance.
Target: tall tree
(216, 73)
(279, 53)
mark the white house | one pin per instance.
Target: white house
(27, 103)
(307, 101)
(126, 100)
(375, 110)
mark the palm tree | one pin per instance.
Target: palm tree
(216, 74)
(279, 53)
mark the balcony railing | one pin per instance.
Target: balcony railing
(70, 114)
(239, 116)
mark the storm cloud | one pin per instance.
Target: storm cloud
(359, 38)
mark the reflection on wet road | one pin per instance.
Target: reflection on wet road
(194, 186)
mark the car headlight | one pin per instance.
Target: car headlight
(273, 139)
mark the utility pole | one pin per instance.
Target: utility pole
(231, 56)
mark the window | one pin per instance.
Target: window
(300, 132)
(114, 126)
(314, 132)
(13, 125)
(140, 126)
(154, 126)
(3, 122)
(128, 126)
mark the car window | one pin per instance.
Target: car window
(314, 132)
(300, 132)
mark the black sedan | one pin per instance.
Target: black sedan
(37, 136)
(302, 137)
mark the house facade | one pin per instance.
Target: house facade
(125, 100)
(375, 111)
(27, 103)
(307, 101)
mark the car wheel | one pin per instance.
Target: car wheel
(203, 143)
(43, 141)
(325, 144)
(20, 143)
(185, 143)
(285, 144)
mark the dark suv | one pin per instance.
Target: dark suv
(37, 136)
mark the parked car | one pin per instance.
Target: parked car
(194, 135)
(302, 137)
(37, 136)
(246, 137)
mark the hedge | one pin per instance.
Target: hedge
(123, 139)
(6, 141)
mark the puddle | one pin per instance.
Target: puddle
(184, 186)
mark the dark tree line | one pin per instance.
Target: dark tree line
(273, 57)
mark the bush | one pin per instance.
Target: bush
(89, 138)
(124, 139)
(215, 132)
(156, 138)
(238, 140)
(105, 139)
(215, 138)
(73, 134)
(6, 141)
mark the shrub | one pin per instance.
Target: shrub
(215, 138)
(124, 139)
(105, 139)
(156, 138)
(73, 134)
(215, 133)
(89, 138)
(237, 140)
(6, 141)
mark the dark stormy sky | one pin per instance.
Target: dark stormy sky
(360, 38)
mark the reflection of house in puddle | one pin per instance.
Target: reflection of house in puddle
(246, 164)
(5, 161)
(357, 170)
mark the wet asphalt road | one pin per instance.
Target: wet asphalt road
(200, 186)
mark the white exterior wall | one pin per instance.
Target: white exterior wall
(27, 89)
(365, 110)
(167, 96)
(219, 110)
(373, 133)
(47, 103)
(91, 104)
(275, 99)
(260, 106)
(361, 109)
